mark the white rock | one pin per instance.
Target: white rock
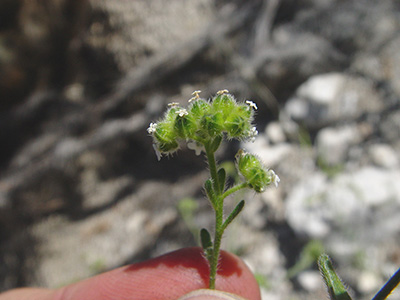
(297, 108)
(374, 186)
(368, 282)
(333, 97)
(384, 156)
(322, 89)
(270, 155)
(345, 205)
(310, 280)
(253, 214)
(333, 143)
(275, 133)
(306, 208)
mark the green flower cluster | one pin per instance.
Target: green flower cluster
(203, 125)
(202, 122)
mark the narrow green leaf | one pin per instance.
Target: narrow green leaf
(233, 214)
(208, 186)
(206, 243)
(205, 239)
(221, 179)
(336, 289)
(216, 143)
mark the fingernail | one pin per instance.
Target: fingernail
(205, 294)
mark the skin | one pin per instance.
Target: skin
(170, 276)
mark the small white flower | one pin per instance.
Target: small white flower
(252, 134)
(182, 112)
(173, 104)
(158, 153)
(152, 128)
(221, 92)
(193, 145)
(195, 95)
(252, 104)
(274, 178)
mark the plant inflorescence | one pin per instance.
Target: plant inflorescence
(203, 125)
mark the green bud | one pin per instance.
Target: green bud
(224, 104)
(258, 180)
(254, 172)
(199, 108)
(236, 126)
(185, 125)
(170, 115)
(246, 111)
(212, 124)
(238, 123)
(165, 137)
(167, 131)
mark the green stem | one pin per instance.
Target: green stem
(213, 167)
(218, 207)
(217, 244)
(218, 204)
(234, 189)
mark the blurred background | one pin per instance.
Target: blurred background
(81, 190)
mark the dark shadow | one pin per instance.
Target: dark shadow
(17, 260)
(290, 243)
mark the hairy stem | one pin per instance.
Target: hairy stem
(218, 204)
(213, 167)
(234, 189)
(218, 207)
(217, 244)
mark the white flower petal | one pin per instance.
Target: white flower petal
(182, 112)
(252, 104)
(221, 92)
(152, 128)
(274, 178)
(196, 94)
(252, 134)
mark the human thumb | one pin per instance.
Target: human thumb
(206, 294)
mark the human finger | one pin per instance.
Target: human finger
(167, 277)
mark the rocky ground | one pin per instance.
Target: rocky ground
(81, 190)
